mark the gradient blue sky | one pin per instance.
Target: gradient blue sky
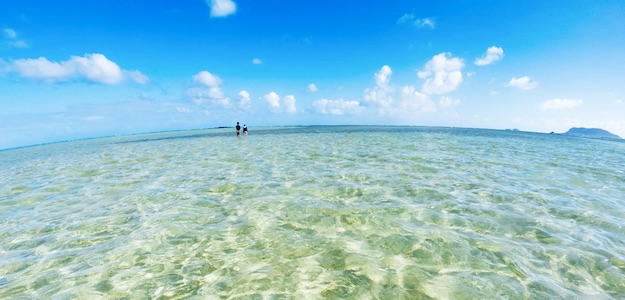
(77, 69)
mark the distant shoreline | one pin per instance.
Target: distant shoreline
(573, 132)
(596, 133)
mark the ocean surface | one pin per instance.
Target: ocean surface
(319, 212)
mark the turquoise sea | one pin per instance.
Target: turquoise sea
(319, 212)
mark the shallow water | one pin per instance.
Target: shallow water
(315, 213)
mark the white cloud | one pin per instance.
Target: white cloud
(273, 100)
(212, 83)
(524, 83)
(447, 102)
(222, 8)
(98, 68)
(245, 101)
(208, 96)
(91, 67)
(209, 92)
(380, 95)
(414, 102)
(560, 104)
(337, 107)
(312, 88)
(492, 55)
(257, 61)
(383, 76)
(417, 22)
(442, 74)
(208, 79)
(275, 103)
(289, 103)
(618, 101)
(404, 102)
(43, 69)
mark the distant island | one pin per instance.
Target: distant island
(591, 133)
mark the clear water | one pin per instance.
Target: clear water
(315, 213)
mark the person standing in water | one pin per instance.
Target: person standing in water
(244, 129)
(238, 128)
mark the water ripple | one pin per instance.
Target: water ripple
(315, 212)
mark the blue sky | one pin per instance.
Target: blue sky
(77, 69)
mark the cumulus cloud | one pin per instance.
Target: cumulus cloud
(98, 68)
(378, 97)
(442, 74)
(380, 94)
(414, 101)
(208, 90)
(43, 69)
(405, 101)
(273, 100)
(417, 22)
(560, 104)
(337, 107)
(212, 85)
(257, 61)
(524, 83)
(275, 103)
(312, 88)
(221, 8)
(289, 104)
(91, 67)
(383, 76)
(492, 55)
(245, 102)
(208, 79)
